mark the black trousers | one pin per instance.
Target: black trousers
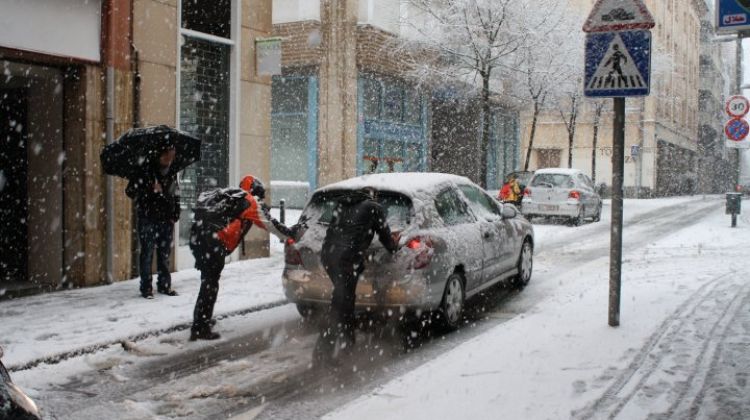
(210, 267)
(343, 268)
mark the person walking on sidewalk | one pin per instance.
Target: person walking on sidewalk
(357, 219)
(158, 208)
(211, 248)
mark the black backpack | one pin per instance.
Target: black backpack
(216, 208)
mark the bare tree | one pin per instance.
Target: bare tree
(569, 117)
(476, 37)
(598, 108)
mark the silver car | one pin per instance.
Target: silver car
(456, 241)
(562, 192)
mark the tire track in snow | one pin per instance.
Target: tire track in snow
(648, 361)
(689, 406)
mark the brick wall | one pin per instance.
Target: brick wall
(301, 43)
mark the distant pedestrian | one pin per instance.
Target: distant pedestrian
(210, 247)
(511, 191)
(155, 192)
(357, 218)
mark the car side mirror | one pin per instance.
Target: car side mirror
(509, 212)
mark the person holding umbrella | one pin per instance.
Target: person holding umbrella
(150, 159)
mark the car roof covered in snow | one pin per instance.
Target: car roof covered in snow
(408, 183)
(564, 171)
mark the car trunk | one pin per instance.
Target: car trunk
(550, 189)
(381, 268)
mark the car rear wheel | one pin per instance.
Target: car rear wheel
(452, 306)
(580, 218)
(524, 265)
(598, 215)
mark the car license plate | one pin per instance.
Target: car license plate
(548, 207)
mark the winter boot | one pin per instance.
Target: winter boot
(203, 334)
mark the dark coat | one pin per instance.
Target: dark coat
(160, 207)
(358, 218)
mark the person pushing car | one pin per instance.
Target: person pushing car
(357, 218)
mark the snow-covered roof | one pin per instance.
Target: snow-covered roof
(565, 171)
(402, 182)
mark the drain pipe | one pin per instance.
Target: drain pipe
(110, 134)
(110, 199)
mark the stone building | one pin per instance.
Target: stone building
(346, 104)
(717, 164)
(661, 132)
(80, 73)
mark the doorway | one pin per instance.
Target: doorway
(31, 162)
(14, 171)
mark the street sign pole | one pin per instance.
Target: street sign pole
(615, 247)
(618, 64)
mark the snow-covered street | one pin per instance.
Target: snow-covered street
(546, 352)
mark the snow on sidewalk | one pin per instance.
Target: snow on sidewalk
(57, 323)
(680, 296)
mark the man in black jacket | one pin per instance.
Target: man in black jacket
(158, 208)
(358, 217)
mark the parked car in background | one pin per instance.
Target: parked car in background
(562, 192)
(14, 403)
(456, 241)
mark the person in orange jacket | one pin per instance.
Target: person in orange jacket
(211, 248)
(511, 191)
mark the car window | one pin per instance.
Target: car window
(451, 209)
(552, 180)
(589, 182)
(481, 204)
(321, 208)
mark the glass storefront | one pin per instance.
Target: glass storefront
(503, 152)
(392, 132)
(293, 139)
(204, 101)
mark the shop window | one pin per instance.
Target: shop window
(289, 95)
(211, 17)
(393, 103)
(412, 107)
(371, 97)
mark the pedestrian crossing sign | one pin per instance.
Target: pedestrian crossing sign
(618, 64)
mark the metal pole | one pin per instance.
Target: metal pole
(738, 86)
(615, 249)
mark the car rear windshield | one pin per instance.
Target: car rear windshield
(552, 181)
(397, 207)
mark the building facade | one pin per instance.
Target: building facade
(661, 132)
(346, 103)
(79, 73)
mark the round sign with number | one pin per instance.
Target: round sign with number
(737, 106)
(736, 129)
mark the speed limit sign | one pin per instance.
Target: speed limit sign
(737, 106)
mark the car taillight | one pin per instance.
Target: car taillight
(575, 195)
(423, 248)
(414, 243)
(527, 192)
(291, 254)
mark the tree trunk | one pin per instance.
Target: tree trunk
(597, 117)
(486, 118)
(534, 119)
(572, 130)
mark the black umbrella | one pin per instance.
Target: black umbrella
(132, 154)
